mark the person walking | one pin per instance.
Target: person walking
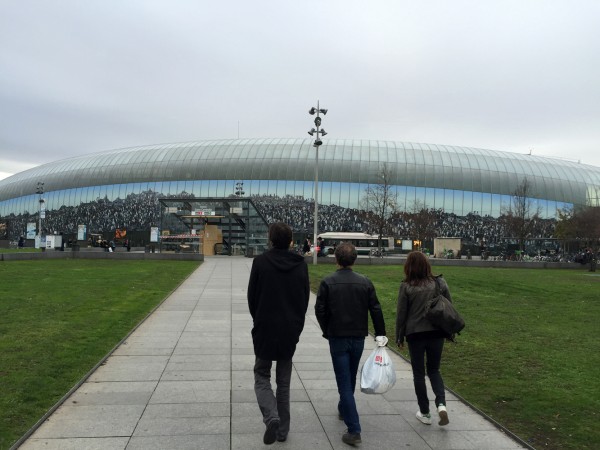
(344, 301)
(425, 341)
(306, 246)
(278, 294)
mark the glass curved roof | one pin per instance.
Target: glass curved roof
(342, 160)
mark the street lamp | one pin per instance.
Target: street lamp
(40, 190)
(318, 142)
(239, 189)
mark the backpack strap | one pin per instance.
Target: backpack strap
(437, 286)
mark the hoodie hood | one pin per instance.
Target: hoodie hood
(283, 260)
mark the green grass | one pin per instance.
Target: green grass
(58, 318)
(529, 356)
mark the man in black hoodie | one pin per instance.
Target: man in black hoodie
(278, 293)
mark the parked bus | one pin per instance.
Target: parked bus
(365, 244)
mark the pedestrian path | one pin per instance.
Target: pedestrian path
(183, 380)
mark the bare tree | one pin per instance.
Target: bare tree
(380, 203)
(520, 216)
(583, 225)
(565, 229)
(421, 222)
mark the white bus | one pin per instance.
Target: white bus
(365, 244)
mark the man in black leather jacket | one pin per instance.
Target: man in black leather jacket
(344, 302)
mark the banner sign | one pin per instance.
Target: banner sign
(31, 230)
(81, 232)
(203, 212)
(153, 234)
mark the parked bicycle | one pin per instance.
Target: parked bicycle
(377, 253)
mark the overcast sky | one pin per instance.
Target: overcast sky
(79, 77)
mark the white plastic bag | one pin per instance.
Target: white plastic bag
(377, 374)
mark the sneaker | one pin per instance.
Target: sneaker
(425, 418)
(281, 438)
(443, 415)
(351, 438)
(271, 432)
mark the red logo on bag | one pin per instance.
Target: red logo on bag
(378, 359)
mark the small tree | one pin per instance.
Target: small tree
(564, 229)
(421, 222)
(520, 216)
(381, 202)
(585, 225)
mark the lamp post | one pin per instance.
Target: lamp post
(40, 190)
(319, 132)
(239, 189)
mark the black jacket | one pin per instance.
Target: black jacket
(343, 301)
(278, 293)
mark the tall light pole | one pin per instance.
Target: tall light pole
(40, 190)
(318, 142)
(239, 189)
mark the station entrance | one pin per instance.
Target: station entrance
(212, 226)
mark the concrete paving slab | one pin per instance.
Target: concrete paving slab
(172, 426)
(295, 441)
(196, 375)
(206, 360)
(377, 440)
(182, 442)
(188, 351)
(91, 421)
(131, 368)
(141, 350)
(248, 395)
(110, 443)
(191, 392)
(113, 393)
(193, 410)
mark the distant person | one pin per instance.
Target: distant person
(344, 302)
(21, 242)
(306, 246)
(319, 246)
(425, 341)
(278, 293)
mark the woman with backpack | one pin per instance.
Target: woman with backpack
(425, 341)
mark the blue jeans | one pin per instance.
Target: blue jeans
(432, 348)
(345, 355)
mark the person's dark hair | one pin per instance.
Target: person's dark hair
(417, 269)
(345, 254)
(280, 235)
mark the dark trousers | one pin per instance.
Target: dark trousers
(345, 355)
(274, 406)
(432, 349)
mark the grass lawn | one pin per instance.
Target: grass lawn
(58, 318)
(529, 355)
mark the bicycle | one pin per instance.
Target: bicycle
(376, 253)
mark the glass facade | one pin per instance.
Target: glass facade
(456, 180)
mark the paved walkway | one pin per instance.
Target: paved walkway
(183, 380)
